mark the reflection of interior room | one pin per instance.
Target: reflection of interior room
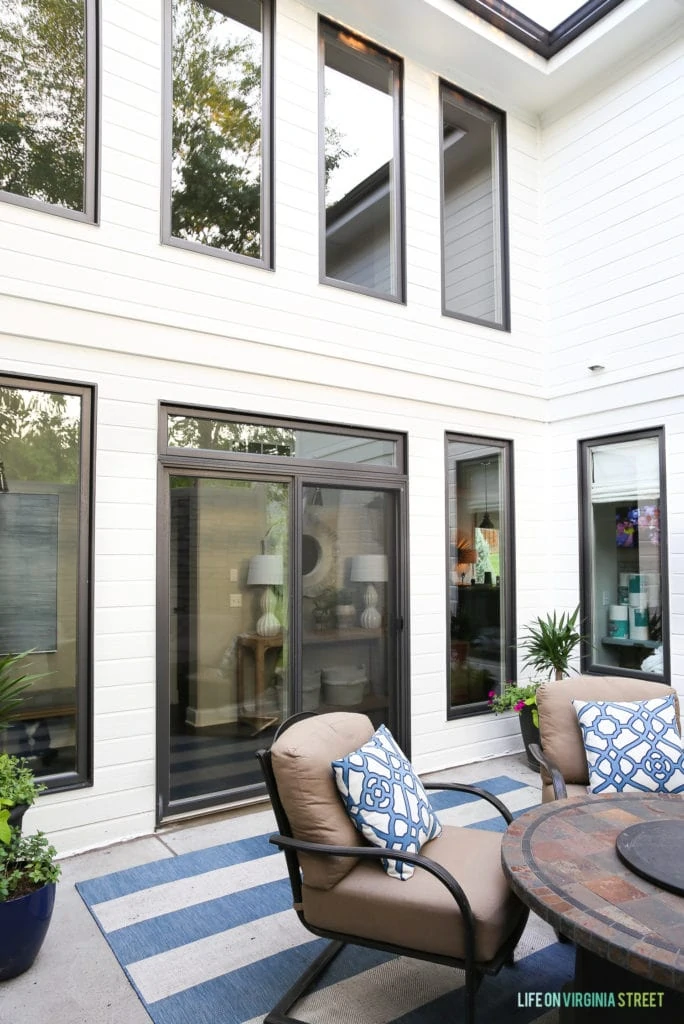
(475, 595)
(627, 600)
(226, 571)
(231, 621)
(345, 600)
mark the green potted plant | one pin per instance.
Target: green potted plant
(345, 611)
(323, 605)
(550, 643)
(28, 877)
(547, 645)
(28, 871)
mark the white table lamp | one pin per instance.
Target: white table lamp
(369, 569)
(266, 571)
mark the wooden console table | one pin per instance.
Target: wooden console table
(259, 646)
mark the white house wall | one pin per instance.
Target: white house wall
(613, 201)
(109, 305)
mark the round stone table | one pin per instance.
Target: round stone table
(560, 859)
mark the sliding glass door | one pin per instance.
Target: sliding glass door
(348, 600)
(280, 591)
(228, 630)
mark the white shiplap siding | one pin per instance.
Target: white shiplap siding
(595, 207)
(613, 200)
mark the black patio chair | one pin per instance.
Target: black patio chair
(457, 909)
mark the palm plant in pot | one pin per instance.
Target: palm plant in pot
(28, 871)
(548, 645)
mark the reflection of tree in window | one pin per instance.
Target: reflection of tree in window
(221, 435)
(216, 175)
(335, 151)
(43, 100)
(39, 436)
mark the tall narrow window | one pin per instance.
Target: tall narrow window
(44, 571)
(361, 226)
(474, 258)
(624, 560)
(480, 622)
(219, 171)
(48, 118)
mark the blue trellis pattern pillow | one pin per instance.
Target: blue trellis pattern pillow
(386, 800)
(633, 746)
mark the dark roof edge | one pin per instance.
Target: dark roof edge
(528, 32)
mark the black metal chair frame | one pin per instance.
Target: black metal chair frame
(284, 840)
(557, 780)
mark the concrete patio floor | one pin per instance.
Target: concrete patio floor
(76, 978)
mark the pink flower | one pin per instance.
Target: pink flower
(519, 705)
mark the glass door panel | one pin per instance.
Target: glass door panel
(348, 596)
(228, 629)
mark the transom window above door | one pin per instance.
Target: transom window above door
(224, 435)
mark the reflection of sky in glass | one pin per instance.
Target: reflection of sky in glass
(547, 13)
(363, 117)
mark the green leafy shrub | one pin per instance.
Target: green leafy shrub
(27, 863)
(515, 698)
(17, 782)
(17, 786)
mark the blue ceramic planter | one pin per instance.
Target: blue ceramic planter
(23, 925)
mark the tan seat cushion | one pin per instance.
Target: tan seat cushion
(301, 760)
(420, 913)
(573, 789)
(561, 736)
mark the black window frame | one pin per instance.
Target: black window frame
(398, 196)
(546, 42)
(584, 446)
(507, 518)
(82, 776)
(91, 161)
(499, 117)
(267, 259)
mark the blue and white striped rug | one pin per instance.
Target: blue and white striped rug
(209, 937)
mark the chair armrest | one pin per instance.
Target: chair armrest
(463, 787)
(381, 852)
(557, 780)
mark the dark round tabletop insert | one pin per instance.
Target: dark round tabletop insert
(654, 850)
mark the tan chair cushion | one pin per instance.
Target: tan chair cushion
(561, 736)
(420, 913)
(573, 789)
(301, 760)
